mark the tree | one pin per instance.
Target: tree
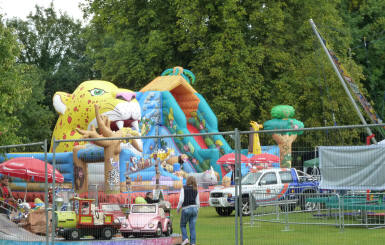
(283, 119)
(14, 90)
(56, 46)
(366, 21)
(247, 55)
(35, 117)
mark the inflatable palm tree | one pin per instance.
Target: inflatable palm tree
(283, 119)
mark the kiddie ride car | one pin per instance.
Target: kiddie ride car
(146, 219)
(86, 220)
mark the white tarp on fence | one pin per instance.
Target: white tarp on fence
(352, 167)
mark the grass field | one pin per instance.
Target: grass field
(213, 229)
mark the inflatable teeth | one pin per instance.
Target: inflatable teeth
(120, 124)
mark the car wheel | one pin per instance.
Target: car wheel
(158, 232)
(168, 230)
(74, 234)
(125, 234)
(107, 233)
(224, 211)
(245, 206)
(67, 236)
(287, 207)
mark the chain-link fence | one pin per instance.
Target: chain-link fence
(25, 197)
(344, 170)
(136, 174)
(107, 182)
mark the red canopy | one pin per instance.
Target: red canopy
(230, 159)
(29, 168)
(264, 158)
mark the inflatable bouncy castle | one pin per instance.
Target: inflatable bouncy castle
(168, 105)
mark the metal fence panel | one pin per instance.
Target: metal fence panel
(162, 167)
(25, 216)
(116, 185)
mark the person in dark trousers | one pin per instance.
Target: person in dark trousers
(189, 204)
(7, 200)
(232, 167)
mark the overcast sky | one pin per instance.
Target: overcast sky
(21, 8)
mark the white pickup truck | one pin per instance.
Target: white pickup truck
(271, 184)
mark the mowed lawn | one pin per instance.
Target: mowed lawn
(214, 229)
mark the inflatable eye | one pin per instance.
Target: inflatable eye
(97, 92)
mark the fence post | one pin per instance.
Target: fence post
(286, 216)
(251, 203)
(53, 191)
(340, 214)
(236, 177)
(239, 181)
(46, 202)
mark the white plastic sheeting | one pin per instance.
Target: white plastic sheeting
(352, 167)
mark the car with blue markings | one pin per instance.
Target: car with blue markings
(288, 186)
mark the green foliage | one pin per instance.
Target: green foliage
(247, 56)
(36, 118)
(14, 90)
(55, 44)
(366, 23)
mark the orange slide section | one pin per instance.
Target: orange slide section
(198, 139)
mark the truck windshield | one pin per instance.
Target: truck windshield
(251, 178)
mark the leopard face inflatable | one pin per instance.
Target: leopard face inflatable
(76, 110)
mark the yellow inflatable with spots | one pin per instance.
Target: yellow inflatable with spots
(76, 110)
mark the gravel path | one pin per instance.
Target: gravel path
(11, 231)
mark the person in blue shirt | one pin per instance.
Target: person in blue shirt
(189, 204)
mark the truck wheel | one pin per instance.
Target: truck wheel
(168, 230)
(288, 207)
(245, 206)
(125, 234)
(224, 211)
(307, 206)
(158, 232)
(107, 233)
(74, 234)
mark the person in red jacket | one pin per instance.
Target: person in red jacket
(7, 201)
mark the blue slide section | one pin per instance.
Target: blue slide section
(204, 121)
(212, 122)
